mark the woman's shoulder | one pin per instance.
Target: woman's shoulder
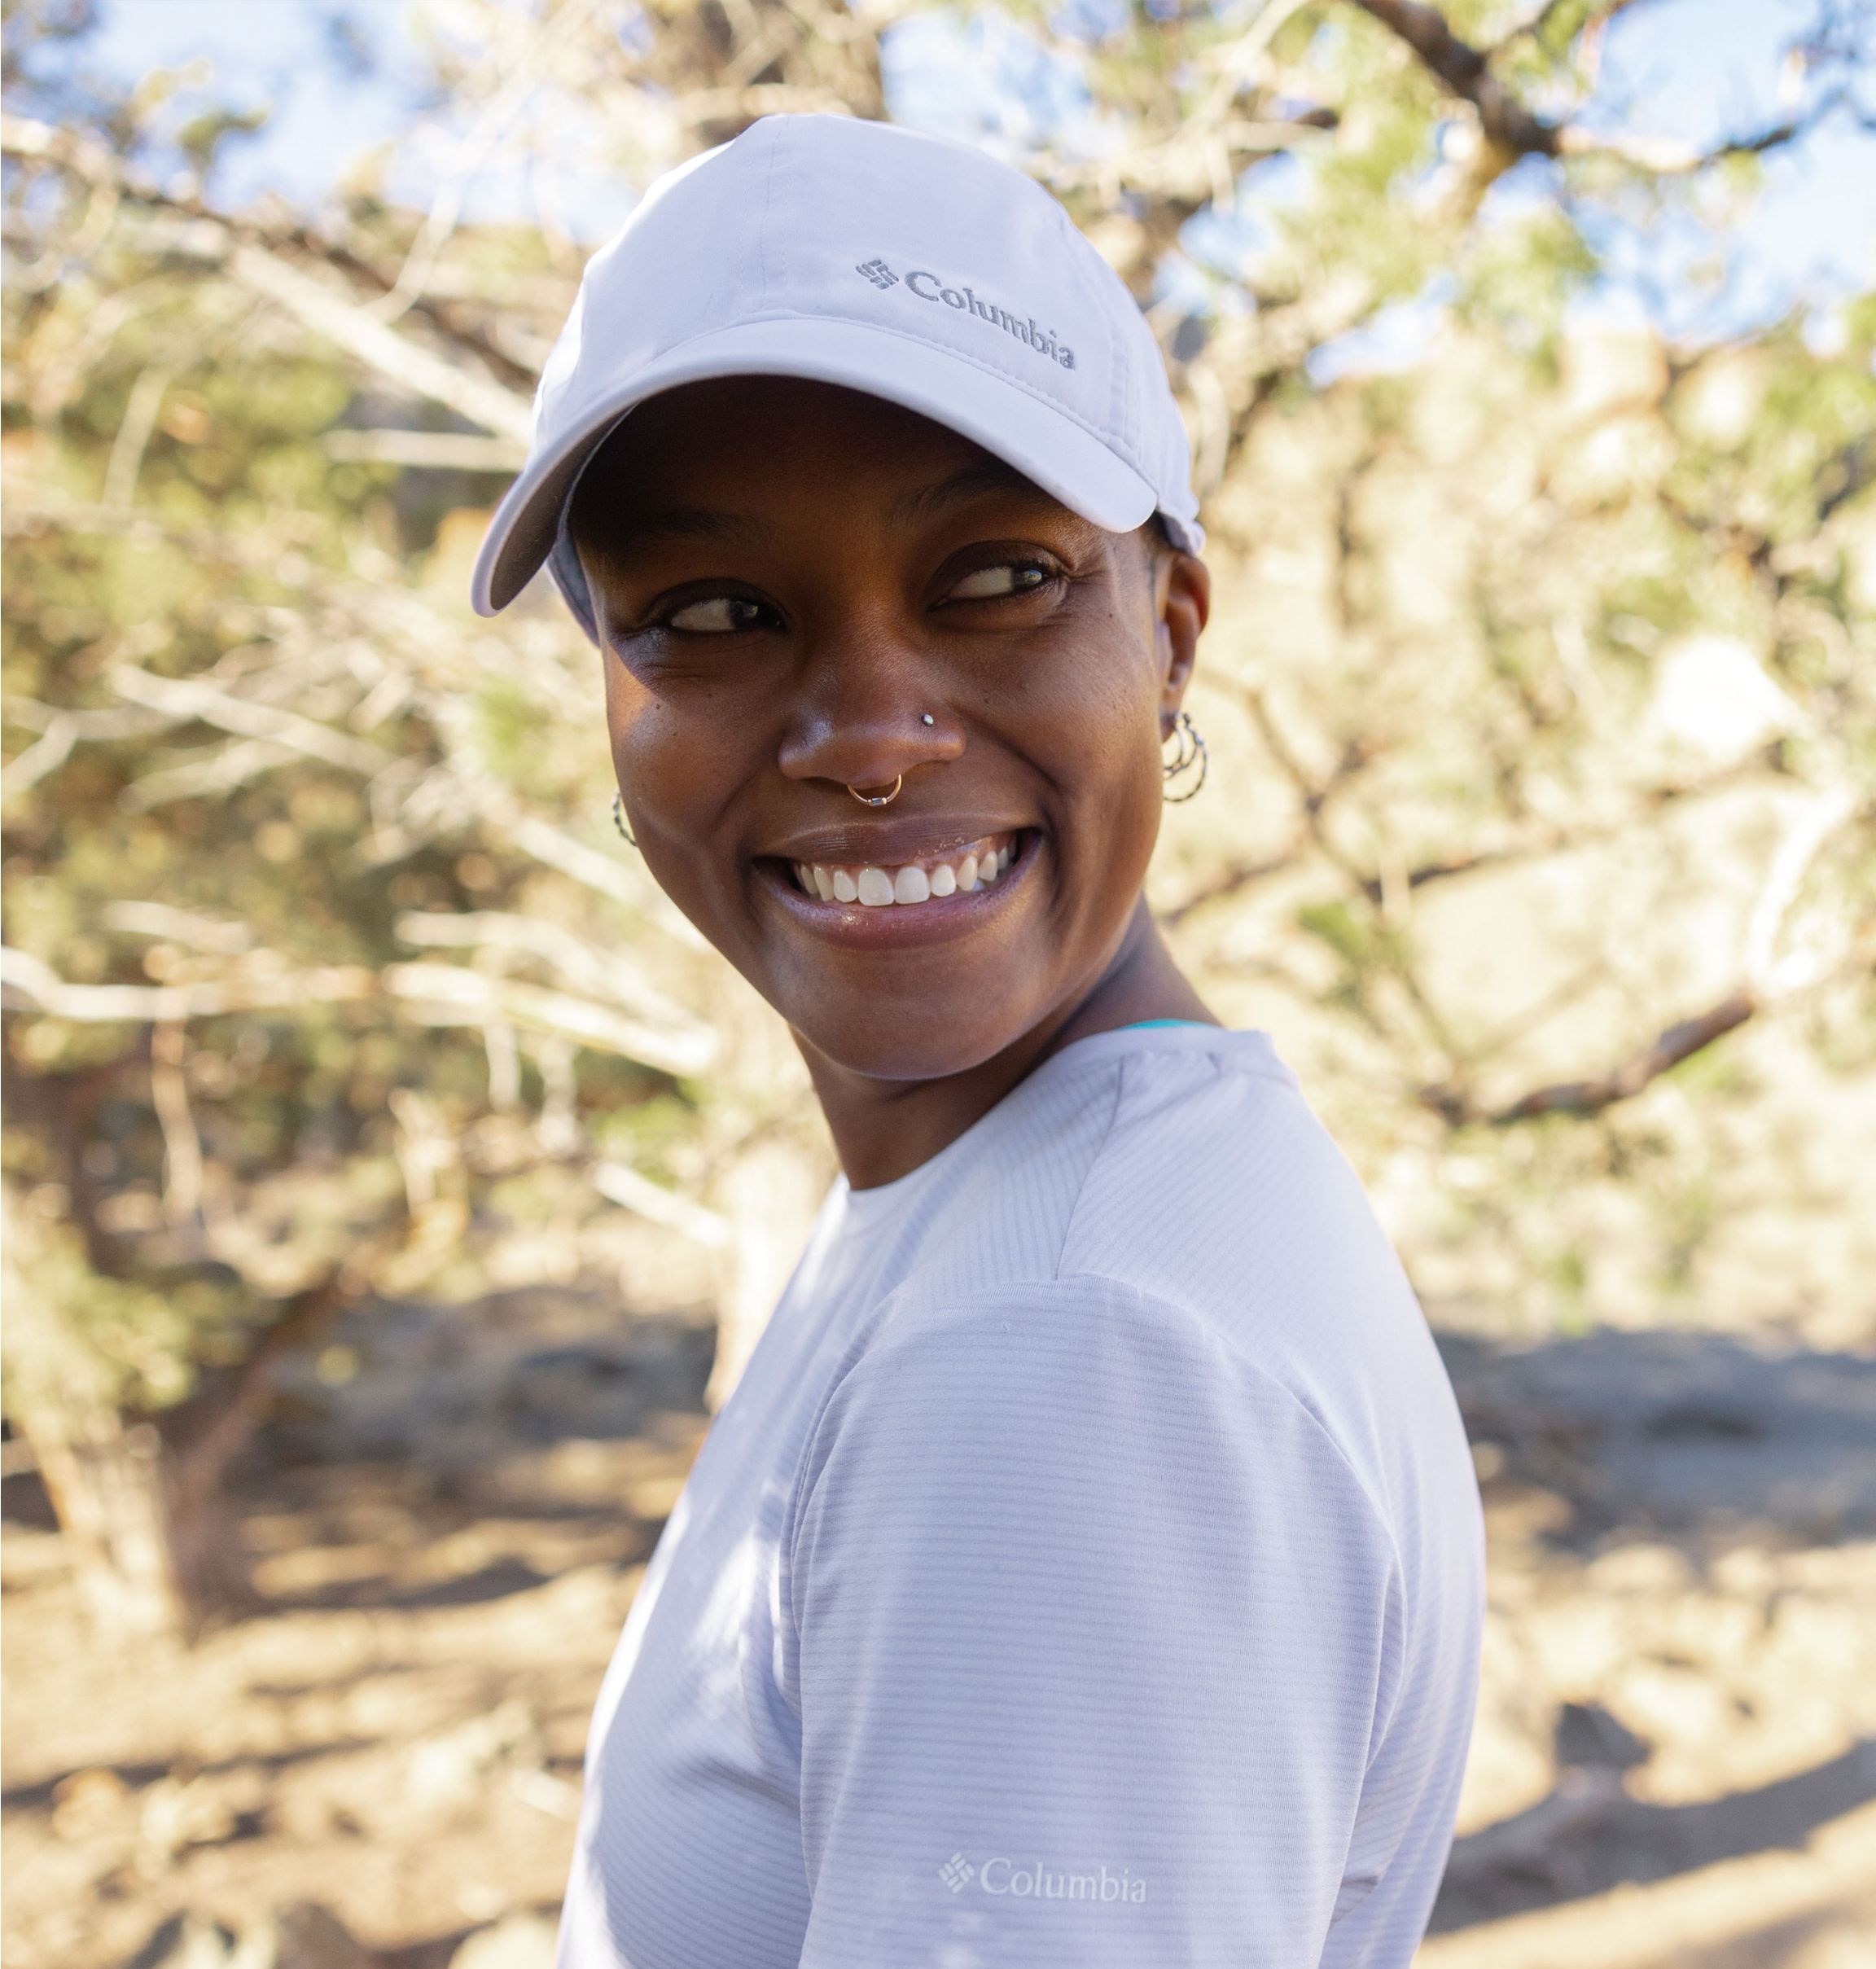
(1214, 1183)
(1177, 1181)
(1216, 1189)
(1183, 1163)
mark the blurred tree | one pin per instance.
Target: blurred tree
(1540, 694)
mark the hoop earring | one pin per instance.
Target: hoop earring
(619, 820)
(1189, 750)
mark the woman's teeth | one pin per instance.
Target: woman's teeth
(916, 882)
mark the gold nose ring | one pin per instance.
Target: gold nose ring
(878, 800)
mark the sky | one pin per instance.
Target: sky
(1693, 69)
(1702, 69)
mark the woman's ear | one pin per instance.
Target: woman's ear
(1182, 604)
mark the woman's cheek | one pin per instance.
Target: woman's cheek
(665, 754)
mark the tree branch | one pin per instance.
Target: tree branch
(621, 1185)
(188, 697)
(1534, 28)
(95, 165)
(1767, 981)
(598, 973)
(330, 314)
(1515, 130)
(1668, 157)
(1667, 1049)
(431, 994)
(1234, 879)
(477, 997)
(1464, 72)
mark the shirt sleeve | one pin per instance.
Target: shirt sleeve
(1087, 1624)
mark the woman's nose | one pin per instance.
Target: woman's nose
(866, 721)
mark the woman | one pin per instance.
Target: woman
(1085, 1570)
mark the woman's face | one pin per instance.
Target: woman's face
(799, 590)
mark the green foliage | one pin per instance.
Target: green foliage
(1439, 854)
(80, 1339)
(515, 730)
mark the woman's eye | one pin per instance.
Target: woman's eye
(717, 614)
(1007, 578)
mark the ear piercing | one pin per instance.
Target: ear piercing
(1189, 750)
(619, 820)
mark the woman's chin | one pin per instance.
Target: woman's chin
(921, 1046)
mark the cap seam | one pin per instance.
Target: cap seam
(1119, 397)
(770, 241)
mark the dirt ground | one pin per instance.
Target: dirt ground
(1674, 1766)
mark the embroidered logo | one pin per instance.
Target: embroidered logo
(966, 301)
(957, 1873)
(1031, 1880)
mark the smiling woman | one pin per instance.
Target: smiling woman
(1085, 1570)
(791, 578)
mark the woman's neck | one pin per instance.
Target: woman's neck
(883, 1129)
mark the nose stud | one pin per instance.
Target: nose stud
(925, 718)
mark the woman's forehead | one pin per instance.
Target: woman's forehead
(738, 444)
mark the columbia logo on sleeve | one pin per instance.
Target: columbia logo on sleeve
(929, 286)
(1030, 1879)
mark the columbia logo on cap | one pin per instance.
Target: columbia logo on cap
(928, 286)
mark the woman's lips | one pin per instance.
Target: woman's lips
(941, 915)
(907, 884)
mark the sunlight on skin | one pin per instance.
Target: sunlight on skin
(791, 578)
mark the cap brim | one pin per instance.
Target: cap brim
(1043, 441)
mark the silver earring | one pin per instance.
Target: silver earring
(619, 820)
(1189, 750)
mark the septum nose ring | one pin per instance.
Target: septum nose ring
(878, 800)
(892, 793)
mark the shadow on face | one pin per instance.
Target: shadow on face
(807, 597)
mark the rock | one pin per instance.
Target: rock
(178, 1812)
(518, 1941)
(447, 1771)
(1590, 1738)
(186, 1940)
(301, 1935)
(306, 1936)
(89, 1802)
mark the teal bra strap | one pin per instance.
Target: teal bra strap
(1136, 1025)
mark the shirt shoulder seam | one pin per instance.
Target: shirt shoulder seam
(1266, 1379)
(1088, 1168)
(863, 1346)
(1317, 1427)
(1221, 1065)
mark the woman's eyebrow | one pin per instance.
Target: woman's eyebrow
(627, 531)
(970, 482)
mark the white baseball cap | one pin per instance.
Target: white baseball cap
(907, 266)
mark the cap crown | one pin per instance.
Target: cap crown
(881, 259)
(831, 218)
